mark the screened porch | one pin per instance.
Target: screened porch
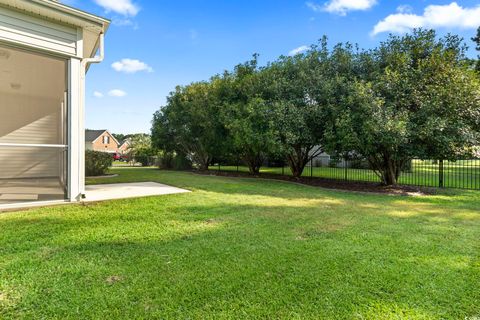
(33, 127)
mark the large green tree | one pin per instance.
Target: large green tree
(413, 96)
(248, 116)
(190, 123)
(476, 39)
(299, 91)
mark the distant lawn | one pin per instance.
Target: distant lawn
(460, 174)
(243, 248)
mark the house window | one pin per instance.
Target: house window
(106, 139)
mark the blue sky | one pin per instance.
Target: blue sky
(154, 45)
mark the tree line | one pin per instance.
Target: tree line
(416, 95)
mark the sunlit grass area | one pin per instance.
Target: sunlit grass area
(459, 174)
(243, 248)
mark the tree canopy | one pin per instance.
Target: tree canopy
(413, 96)
(190, 123)
(476, 40)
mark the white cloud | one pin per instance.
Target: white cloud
(123, 7)
(298, 50)
(98, 94)
(341, 7)
(131, 66)
(68, 2)
(117, 93)
(122, 22)
(125, 22)
(404, 8)
(315, 7)
(434, 16)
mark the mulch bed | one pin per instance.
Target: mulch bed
(356, 186)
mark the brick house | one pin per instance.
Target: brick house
(124, 146)
(101, 140)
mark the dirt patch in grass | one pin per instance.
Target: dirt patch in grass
(113, 279)
(355, 186)
(211, 221)
(46, 253)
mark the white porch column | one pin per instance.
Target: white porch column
(76, 131)
(81, 131)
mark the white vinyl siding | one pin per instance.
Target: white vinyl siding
(30, 162)
(33, 32)
(30, 120)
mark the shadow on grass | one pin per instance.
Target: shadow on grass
(445, 197)
(259, 206)
(241, 263)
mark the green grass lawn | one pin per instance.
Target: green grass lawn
(243, 248)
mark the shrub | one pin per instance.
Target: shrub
(97, 163)
(181, 162)
(165, 160)
(145, 156)
(143, 159)
(173, 161)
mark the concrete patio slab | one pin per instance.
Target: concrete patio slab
(128, 190)
(18, 197)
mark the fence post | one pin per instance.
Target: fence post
(311, 168)
(219, 167)
(441, 182)
(346, 168)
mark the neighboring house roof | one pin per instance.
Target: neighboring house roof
(55, 11)
(92, 135)
(126, 141)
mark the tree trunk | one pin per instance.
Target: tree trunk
(389, 178)
(203, 163)
(202, 166)
(199, 156)
(387, 168)
(297, 168)
(254, 169)
(390, 171)
(298, 159)
(254, 163)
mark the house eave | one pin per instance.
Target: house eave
(98, 137)
(62, 14)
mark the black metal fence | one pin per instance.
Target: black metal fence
(462, 174)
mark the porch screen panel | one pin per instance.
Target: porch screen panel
(33, 122)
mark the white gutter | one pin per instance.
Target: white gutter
(99, 58)
(84, 67)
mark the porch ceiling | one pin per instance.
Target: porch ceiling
(20, 73)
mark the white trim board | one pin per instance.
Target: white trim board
(30, 31)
